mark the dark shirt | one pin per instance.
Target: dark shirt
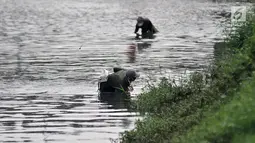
(118, 80)
(147, 26)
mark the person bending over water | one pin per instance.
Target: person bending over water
(147, 27)
(120, 80)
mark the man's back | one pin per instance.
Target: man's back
(118, 80)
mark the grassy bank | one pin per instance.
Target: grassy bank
(180, 113)
(234, 122)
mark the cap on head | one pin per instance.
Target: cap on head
(132, 74)
(140, 21)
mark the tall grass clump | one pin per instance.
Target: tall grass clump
(171, 109)
(234, 122)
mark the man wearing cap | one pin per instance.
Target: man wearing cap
(147, 27)
(121, 79)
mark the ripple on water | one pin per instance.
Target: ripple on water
(60, 114)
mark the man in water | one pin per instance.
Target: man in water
(120, 80)
(147, 27)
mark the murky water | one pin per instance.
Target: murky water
(52, 53)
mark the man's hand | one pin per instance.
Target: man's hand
(137, 34)
(130, 88)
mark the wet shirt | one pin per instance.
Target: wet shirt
(118, 80)
(147, 26)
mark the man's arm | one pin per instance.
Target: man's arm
(136, 29)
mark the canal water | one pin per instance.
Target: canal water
(52, 53)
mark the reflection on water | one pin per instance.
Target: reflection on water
(131, 53)
(143, 45)
(133, 48)
(117, 100)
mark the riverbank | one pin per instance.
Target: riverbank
(211, 106)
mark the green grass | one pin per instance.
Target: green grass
(176, 113)
(244, 138)
(231, 123)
